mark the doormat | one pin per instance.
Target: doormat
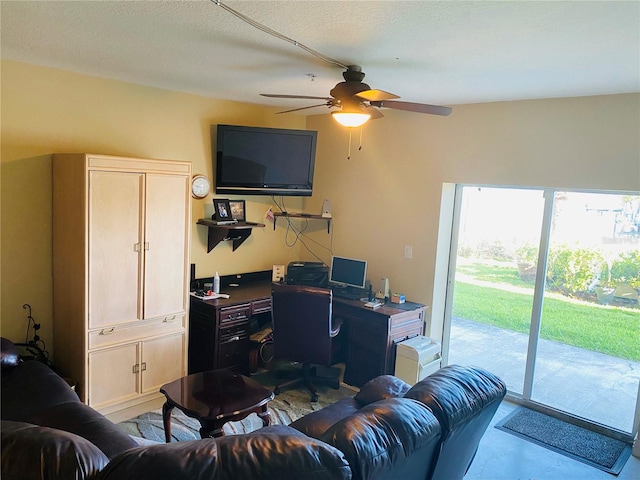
(592, 448)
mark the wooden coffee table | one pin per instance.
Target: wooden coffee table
(215, 398)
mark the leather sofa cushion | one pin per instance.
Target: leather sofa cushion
(9, 356)
(276, 452)
(314, 424)
(31, 387)
(381, 388)
(34, 393)
(39, 453)
(82, 420)
(394, 438)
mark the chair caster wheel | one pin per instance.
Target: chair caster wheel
(276, 391)
(314, 397)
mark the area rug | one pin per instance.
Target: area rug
(592, 448)
(285, 408)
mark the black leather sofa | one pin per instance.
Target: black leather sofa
(387, 431)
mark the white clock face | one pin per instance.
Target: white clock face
(200, 186)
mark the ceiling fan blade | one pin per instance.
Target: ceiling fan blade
(414, 107)
(306, 97)
(304, 108)
(376, 95)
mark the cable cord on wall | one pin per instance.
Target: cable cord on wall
(300, 235)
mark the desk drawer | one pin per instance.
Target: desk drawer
(261, 306)
(233, 349)
(235, 314)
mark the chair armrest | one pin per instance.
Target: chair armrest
(336, 325)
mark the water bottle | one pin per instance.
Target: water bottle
(216, 283)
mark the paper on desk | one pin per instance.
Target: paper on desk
(210, 297)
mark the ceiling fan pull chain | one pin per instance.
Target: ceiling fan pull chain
(349, 153)
(361, 129)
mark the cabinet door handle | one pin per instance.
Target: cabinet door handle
(146, 245)
(137, 247)
(108, 332)
(169, 319)
(144, 366)
(136, 368)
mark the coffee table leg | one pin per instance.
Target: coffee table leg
(265, 416)
(166, 420)
(211, 429)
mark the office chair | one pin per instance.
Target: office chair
(303, 331)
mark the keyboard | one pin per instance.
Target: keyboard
(349, 293)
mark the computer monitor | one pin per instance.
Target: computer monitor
(348, 272)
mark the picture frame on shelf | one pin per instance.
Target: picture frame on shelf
(238, 210)
(221, 210)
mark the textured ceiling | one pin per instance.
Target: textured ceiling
(445, 53)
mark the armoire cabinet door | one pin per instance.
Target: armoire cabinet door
(115, 231)
(163, 361)
(113, 375)
(166, 234)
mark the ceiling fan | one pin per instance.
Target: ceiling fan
(358, 102)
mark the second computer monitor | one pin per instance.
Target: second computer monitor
(348, 272)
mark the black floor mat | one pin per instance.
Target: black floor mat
(592, 448)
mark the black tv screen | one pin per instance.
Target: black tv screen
(264, 161)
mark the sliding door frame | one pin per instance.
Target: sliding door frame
(537, 310)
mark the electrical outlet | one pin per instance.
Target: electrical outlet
(408, 251)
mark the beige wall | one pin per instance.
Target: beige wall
(388, 194)
(46, 111)
(383, 198)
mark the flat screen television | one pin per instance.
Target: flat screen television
(348, 272)
(264, 161)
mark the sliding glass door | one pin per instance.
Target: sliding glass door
(492, 303)
(544, 293)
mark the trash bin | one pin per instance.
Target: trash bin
(417, 358)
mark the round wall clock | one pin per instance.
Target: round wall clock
(200, 186)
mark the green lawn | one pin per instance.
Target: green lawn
(611, 330)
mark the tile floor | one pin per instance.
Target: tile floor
(502, 456)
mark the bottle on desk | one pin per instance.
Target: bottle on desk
(216, 283)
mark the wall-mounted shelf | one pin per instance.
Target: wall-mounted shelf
(306, 216)
(236, 233)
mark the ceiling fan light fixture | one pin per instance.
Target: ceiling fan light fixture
(351, 119)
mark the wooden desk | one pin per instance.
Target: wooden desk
(372, 336)
(219, 331)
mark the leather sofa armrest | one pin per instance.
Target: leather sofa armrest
(381, 388)
(35, 452)
(276, 452)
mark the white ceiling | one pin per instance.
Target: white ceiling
(437, 52)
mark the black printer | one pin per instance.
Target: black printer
(312, 274)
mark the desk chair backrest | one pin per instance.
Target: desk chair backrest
(302, 327)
